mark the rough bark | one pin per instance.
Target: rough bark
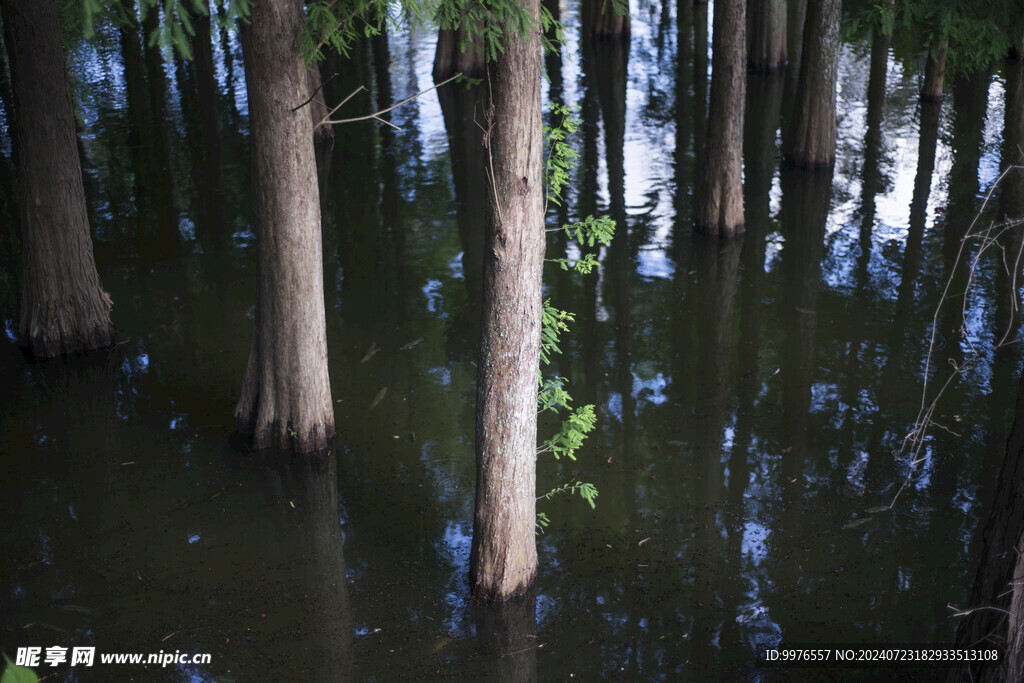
(286, 395)
(64, 308)
(504, 555)
(450, 58)
(720, 200)
(935, 72)
(766, 35)
(604, 23)
(811, 142)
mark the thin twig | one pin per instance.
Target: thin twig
(914, 442)
(376, 115)
(964, 613)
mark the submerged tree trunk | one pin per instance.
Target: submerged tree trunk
(720, 200)
(450, 58)
(811, 142)
(766, 35)
(935, 72)
(504, 556)
(286, 394)
(64, 308)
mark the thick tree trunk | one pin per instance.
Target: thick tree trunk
(766, 35)
(720, 200)
(451, 59)
(286, 394)
(63, 306)
(935, 72)
(811, 142)
(604, 23)
(504, 556)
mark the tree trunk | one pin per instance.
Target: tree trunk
(604, 23)
(720, 200)
(286, 394)
(935, 72)
(504, 555)
(63, 306)
(811, 142)
(450, 58)
(766, 35)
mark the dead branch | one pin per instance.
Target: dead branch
(376, 115)
(914, 442)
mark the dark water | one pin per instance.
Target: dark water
(751, 395)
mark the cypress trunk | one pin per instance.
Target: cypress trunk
(720, 200)
(64, 308)
(811, 142)
(935, 72)
(286, 394)
(450, 58)
(766, 35)
(504, 555)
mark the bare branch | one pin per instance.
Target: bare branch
(376, 115)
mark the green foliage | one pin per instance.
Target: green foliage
(337, 25)
(553, 323)
(570, 437)
(586, 491)
(487, 22)
(17, 674)
(561, 157)
(552, 395)
(977, 39)
(175, 27)
(587, 232)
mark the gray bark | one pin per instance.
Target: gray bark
(504, 555)
(286, 394)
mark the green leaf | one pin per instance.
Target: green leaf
(17, 674)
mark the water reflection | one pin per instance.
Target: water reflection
(750, 394)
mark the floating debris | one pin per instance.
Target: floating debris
(411, 344)
(378, 398)
(370, 353)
